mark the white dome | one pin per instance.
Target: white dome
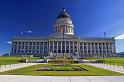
(65, 24)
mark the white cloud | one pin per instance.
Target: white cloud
(8, 42)
(121, 36)
(21, 33)
(29, 31)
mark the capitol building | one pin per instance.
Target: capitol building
(63, 42)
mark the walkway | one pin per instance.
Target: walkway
(15, 66)
(20, 78)
(115, 68)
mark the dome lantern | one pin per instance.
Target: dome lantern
(63, 14)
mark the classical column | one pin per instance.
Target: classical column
(31, 47)
(28, 47)
(43, 47)
(53, 46)
(87, 47)
(113, 48)
(77, 47)
(61, 46)
(49, 46)
(24, 47)
(94, 50)
(39, 48)
(98, 48)
(17, 47)
(114, 51)
(90, 48)
(57, 47)
(73, 46)
(105, 49)
(69, 47)
(35, 47)
(65, 46)
(21, 48)
(65, 29)
(14, 47)
(58, 28)
(109, 48)
(83, 47)
(102, 48)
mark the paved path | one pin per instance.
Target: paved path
(15, 66)
(19, 78)
(115, 68)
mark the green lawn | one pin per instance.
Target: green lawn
(4, 60)
(111, 60)
(92, 71)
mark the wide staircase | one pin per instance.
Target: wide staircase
(67, 55)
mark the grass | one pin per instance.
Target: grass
(111, 60)
(4, 60)
(92, 71)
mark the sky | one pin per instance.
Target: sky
(37, 17)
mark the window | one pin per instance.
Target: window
(41, 43)
(67, 43)
(84, 47)
(55, 43)
(75, 43)
(100, 47)
(67, 51)
(30, 43)
(88, 51)
(80, 43)
(81, 47)
(59, 51)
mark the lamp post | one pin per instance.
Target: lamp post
(104, 56)
(21, 53)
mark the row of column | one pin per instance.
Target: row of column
(92, 48)
(26, 47)
(63, 47)
(71, 47)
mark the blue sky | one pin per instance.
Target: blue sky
(90, 18)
